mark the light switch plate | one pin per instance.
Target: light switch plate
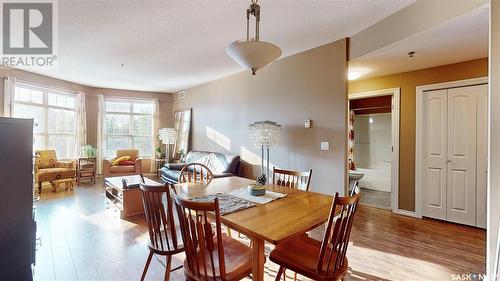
(325, 145)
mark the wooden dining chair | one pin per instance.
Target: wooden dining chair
(210, 255)
(293, 179)
(195, 172)
(164, 234)
(320, 260)
(355, 189)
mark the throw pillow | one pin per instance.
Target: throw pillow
(117, 161)
(127, 163)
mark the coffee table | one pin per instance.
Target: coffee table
(127, 200)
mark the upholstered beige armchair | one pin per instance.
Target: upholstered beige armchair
(134, 168)
(48, 168)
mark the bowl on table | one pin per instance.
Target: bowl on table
(256, 190)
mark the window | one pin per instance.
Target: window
(54, 117)
(128, 124)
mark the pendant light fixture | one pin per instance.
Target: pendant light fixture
(253, 53)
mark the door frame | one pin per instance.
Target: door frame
(395, 93)
(418, 134)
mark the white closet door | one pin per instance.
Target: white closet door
(434, 137)
(482, 154)
(461, 176)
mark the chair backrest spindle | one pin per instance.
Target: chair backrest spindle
(336, 238)
(195, 172)
(159, 218)
(292, 179)
(203, 259)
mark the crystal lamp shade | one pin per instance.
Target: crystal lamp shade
(253, 55)
(265, 133)
(168, 135)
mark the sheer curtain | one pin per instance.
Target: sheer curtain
(156, 128)
(9, 86)
(100, 133)
(81, 123)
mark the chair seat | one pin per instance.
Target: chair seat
(168, 248)
(300, 254)
(50, 174)
(237, 257)
(122, 169)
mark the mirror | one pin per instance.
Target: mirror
(182, 121)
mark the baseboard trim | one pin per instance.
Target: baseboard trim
(407, 213)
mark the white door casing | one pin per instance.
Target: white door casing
(461, 176)
(482, 155)
(434, 136)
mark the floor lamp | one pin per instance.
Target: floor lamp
(265, 134)
(168, 136)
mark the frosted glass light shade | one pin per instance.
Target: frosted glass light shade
(265, 133)
(253, 55)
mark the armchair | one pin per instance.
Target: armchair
(109, 170)
(48, 168)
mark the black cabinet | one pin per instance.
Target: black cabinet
(17, 224)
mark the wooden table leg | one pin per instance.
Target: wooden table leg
(258, 259)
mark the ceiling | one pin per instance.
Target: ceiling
(167, 46)
(460, 39)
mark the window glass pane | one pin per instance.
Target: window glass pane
(114, 143)
(143, 125)
(27, 95)
(61, 100)
(63, 144)
(117, 106)
(31, 112)
(117, 124)
(144, 144)
(144, 108)
(38, 142)
(61, 121)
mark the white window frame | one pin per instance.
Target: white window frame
(45, 104)
(131, 114)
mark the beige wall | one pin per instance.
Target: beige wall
(494, 141)
(408, 82)
(166, 99)
(310, 85)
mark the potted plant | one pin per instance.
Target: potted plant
(259, 188)
(88, 151)
(159, 153)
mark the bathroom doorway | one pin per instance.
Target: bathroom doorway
(374, 147)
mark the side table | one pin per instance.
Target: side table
(86, 169)
(159, 162)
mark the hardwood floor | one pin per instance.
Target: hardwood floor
(81, 240)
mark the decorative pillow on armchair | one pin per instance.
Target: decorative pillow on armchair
(117, 161)
(127, 163)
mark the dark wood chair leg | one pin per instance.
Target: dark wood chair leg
(167, 268)
(40, 187)
(280, 271)
(146, 266)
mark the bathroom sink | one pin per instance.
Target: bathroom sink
(355, 176)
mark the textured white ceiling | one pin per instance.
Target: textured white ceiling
(460, 39)
(168, 46)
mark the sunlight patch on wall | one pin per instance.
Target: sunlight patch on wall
(220, 139)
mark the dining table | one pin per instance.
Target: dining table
(295, 214)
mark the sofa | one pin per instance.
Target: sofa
(134, 168)
(47, 168)
(221, 165)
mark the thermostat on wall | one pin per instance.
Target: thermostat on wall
(307, 123)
